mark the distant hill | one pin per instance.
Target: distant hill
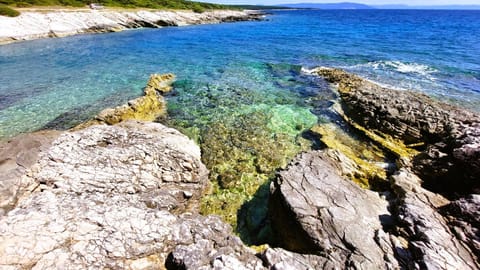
(445, 7)
(344, 5)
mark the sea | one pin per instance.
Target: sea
(226, 70)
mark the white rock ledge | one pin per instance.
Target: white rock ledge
(34, 25)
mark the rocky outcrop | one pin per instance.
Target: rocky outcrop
(17, 155)
(316, 211)
(448, 136)
(432, 244)
(462, 216)
(107, 196)
(33, 25)
(335, 224)
(146, 108)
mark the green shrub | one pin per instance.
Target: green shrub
(9, 12)
(23, 4)
(198, 9)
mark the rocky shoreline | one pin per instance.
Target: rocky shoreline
(34, 25)
(119, 193)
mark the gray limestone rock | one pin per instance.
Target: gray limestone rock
(17, 155)
(108, 197)
(212, 247)
(464, 221)
(315, 210)
(432, 244)
(281, 259)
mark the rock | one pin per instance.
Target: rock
(463, 219)
(146, 108)
(212, 248)
(314, 210)
(16, 156)
(33, 25)
(108, 197)
(360, 161)
(280, 259)
(448, 136)
(432, 244)
(160, 83)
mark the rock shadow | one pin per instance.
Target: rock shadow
(253, 222)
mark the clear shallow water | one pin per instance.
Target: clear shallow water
(437, 52)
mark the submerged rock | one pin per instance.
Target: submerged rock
(314, 210)
(242, 153)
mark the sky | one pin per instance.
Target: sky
(368, 2)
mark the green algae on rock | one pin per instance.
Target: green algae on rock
(247, 129)
(368, 160)
(146, 108)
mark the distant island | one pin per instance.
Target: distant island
(344, 5)
(350, 5)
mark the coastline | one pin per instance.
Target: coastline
(123, 162)
(66, 22)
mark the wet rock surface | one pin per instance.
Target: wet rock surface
(148, 107)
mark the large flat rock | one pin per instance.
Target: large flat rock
(118, 196)
(317, 211)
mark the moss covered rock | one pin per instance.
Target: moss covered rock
(146, 108)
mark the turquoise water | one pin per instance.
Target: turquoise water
(60, 82)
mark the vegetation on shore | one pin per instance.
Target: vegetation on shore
(154, 4)
(7, 11)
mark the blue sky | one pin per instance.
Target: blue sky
(368, 2)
